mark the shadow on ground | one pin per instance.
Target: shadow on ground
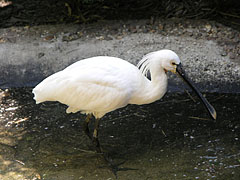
(170, 139)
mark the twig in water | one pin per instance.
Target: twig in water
(190, 95)
(227, 14)
(20, 162)
(164, 133)
(199, 118)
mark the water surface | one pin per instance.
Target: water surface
(170, 139)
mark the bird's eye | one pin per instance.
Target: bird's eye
(173, 63)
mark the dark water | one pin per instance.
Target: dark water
(170, 139)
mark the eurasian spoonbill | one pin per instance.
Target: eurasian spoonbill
(98, 85)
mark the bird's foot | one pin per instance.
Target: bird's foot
(109, 161)
(113, 166)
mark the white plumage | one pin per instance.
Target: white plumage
(102, 84)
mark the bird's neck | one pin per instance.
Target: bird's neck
(153, 89)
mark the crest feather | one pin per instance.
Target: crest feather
(145, 63)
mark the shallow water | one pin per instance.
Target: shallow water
(171, 139)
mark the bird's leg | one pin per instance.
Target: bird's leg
(95, 132)
(114, 167)
(95, 136)
(85, 125)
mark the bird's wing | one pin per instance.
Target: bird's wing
(89, 87)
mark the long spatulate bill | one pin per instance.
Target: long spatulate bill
(205, 102)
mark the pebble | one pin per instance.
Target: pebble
(208, 28)
(232, 55)
(100, 38)
(41, 54)
(223, 53)
(236, 40)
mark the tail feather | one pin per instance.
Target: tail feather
(36, 96)
(41, 94)
(72, 110)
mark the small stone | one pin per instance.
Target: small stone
(145, 30)
(119, 37)
(223, 53)
(152, 31)
(231, 35)
(133, 30)
(160, 27)
(2, 40)
(100, 38)
(219, 34)
(199, 35)
(41, 54)
(236, 40)
(108, 38)
(232, 55)
(36, 44)
(49, 37)
(208, 28)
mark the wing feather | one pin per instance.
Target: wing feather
(89, 87)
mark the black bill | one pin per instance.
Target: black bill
(205, 102)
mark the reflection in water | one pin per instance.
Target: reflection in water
(170, 139)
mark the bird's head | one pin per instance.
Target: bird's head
(169, 61)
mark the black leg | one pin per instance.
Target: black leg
(95, 136)
(110, 164)
(85, 125)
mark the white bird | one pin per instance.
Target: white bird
(98, 85)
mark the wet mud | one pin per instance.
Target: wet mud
(173, 138)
